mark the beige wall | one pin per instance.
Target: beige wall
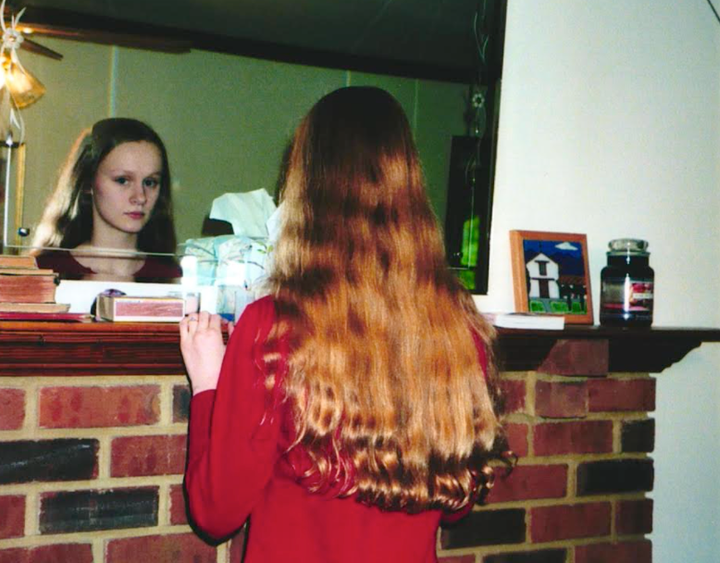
(225, 119)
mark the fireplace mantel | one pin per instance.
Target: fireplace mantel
(648, 350)
(578, 418)
(51, 349)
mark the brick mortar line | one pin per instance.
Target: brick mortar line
(90, 381)
(528, 523)
(103, 536)
(530, 442)
(461, 552)
(530, 395)
(572, 479)
(564, 501)
(510, 374)
(166, 404)
(98, 550)
(104, 457)
(163, 505)
(596, 416)
(520, 416)
(617, 436)
(223, 553)
(31, 422)
(580, 457)
(568, 544)
(95, 432)
(613, 516)
(39, 487)
(32, 513)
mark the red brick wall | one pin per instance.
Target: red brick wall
(578, 493)
(91, 471)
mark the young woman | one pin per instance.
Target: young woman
(112, 199)
(355, 406)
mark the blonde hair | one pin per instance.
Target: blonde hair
(389, 397)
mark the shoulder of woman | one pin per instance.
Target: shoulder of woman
(256, 319)
(61, 261)
(261, 311)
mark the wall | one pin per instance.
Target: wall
(226, 120)
(609, 126)
(91, 466)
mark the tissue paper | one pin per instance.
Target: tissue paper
(237, 264)
(247, 212)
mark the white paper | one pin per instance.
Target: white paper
(247, 212)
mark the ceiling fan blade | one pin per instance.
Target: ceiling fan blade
(31, 46)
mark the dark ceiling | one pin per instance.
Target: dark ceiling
(417, 38)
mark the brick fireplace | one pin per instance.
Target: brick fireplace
(93, 421)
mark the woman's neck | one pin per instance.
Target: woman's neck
(97, 254)
(103, 237)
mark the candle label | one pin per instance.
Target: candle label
(627, 295)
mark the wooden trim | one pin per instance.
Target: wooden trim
(50, 349)
(77, 349)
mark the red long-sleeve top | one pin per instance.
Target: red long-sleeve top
(236, 468)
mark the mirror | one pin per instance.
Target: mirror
(225, 119)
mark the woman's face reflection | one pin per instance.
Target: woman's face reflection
(127, 185)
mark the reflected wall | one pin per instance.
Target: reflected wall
(225, 119)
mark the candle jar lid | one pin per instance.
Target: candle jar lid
(628, 247)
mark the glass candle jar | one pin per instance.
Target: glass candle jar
(626, 297)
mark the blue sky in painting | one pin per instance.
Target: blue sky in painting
(567, 254)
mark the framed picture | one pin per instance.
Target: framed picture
(551, 275)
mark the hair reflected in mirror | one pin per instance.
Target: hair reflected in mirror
(68, 219)
(111, 202)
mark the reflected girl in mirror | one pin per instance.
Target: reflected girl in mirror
(112, 199)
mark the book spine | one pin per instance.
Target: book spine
(27, 289)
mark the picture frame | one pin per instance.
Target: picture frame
(551, 274)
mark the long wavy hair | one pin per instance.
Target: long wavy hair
(67, 220)
(388, 393)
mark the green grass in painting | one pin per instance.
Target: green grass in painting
(558, 307)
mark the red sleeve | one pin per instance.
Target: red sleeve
(452, 517)
(229, 461)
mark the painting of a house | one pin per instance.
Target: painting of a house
(555, 277)
(542, 276)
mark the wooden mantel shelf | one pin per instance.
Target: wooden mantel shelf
(51, 349)
(629, 349)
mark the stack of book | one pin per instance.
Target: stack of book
(25, 288)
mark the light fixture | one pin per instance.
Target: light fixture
(18, 88)
(22, 86)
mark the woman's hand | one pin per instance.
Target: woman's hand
(202, 347)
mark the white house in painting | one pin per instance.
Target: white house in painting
(543, 274)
